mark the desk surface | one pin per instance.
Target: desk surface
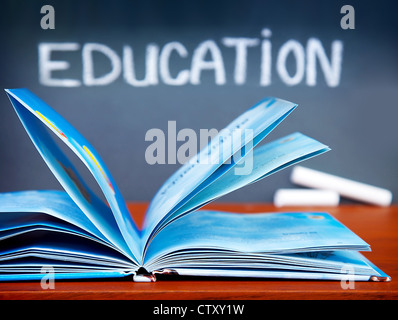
(377, 226)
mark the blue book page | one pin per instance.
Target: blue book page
(67, 275)
(321, 262)
(66, 260)
(265, 160)
(113, 221)
(18, 208)
(231, 144)
(276, 233)
(60, 243)
(27, 211)
(322, 265)
(269, 274)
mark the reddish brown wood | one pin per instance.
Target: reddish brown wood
(377, 226)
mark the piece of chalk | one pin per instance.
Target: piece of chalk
(305, 197)
(345, 187)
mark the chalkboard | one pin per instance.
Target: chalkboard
(118, 69)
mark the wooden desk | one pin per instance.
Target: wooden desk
(377, 226)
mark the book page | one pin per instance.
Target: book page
(66, 250)
(266, 233)
(25, 208)
(113, 221)
(228, 147)
(267, 159)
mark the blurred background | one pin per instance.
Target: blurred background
(356, 117)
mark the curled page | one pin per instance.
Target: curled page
(114, 222)
(224, 150)
(267, 159)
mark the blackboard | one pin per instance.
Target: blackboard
(117, 69)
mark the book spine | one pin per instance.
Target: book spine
(151, 277)
(144, 277)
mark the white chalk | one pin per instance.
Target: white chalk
(345, 187)
(305, 197)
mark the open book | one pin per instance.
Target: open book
(83, 234)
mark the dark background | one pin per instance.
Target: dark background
(357, 119)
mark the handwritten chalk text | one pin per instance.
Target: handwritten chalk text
(207, 57)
